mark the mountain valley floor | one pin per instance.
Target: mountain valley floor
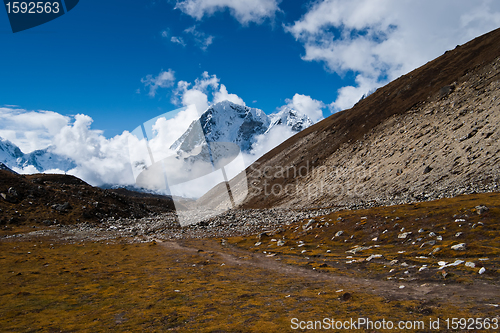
(417, 263)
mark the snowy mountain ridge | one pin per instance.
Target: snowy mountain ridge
(42, 159)
(230, 122)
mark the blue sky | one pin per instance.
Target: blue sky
(80, 82)
(92, 60)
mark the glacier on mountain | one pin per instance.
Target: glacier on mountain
(41, 160)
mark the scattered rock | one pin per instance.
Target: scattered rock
(456, 263)
(280, 242)
(339, 233)
(12, 191)
(482, 270)
(459, 247)
(431, 243)
(470, 264)
(475, 225)
(309, 223)
(8, 198)
(61, 207)
(481, 209)
(446, 90)
(345, 297)
(373, 256)
(404, 235)
(437, 249)
(358, 249)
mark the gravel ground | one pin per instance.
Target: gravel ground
(166, 227)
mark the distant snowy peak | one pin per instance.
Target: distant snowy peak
(289, 117)
(225, 122)
(6, 168)
(46, 159)
(41, 160)
(230, 122)
(9, 152)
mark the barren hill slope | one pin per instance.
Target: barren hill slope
(63, 199)
(428, 134)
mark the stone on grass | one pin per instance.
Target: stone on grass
(459, 247)
(481, 209)
(404, 235)
(373, 256)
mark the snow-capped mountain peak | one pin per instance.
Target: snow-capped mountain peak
(41, 160)
(230, 122)
(289, 117)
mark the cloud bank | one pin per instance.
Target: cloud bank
(30, 130)
(120, 159)
(379, 40)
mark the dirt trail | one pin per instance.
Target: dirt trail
(456, 293)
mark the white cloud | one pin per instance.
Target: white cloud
(350, 95)
(245, 11)
(223, 95)
(201, 39)
(380, 40)
(30, 130)
(266, 142)
(192, 34)
(99, 160)
(198, 93)
(166, 132)
(306, 105)
(178, 40)
(197, 98)
(164, 79)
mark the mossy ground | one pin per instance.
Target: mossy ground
(215, 285)
(454, 220)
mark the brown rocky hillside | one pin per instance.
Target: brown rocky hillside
(62, 199)
(429, 134)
